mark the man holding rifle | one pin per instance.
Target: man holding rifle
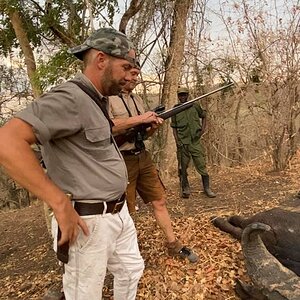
(187, 131)
(126, 111)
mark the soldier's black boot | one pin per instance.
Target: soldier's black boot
(184, 187)
(207, 191)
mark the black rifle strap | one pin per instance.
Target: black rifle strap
(138, 139)
(126, 106)
(96, 98)
(131, 96)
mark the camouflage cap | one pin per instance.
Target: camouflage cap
(108, 40)
(182, 90)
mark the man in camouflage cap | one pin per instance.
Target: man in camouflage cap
(108, 40)
(71, 125)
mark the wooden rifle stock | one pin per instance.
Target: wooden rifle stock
(131, 133)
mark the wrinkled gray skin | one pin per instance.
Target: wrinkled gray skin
(275, 281)
(280, 241)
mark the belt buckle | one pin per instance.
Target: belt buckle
(115, 210)
(136, 152)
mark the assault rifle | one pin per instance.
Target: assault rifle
(139, 132)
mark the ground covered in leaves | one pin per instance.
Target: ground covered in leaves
(29, 266)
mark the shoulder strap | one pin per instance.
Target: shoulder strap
(135, 104)
(96, 98)
(126, 106)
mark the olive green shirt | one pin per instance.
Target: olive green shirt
(188, 124)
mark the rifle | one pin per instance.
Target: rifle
(139, 132)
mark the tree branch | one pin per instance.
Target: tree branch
(133, 9)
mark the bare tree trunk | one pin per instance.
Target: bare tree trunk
(239, 140)
(21, 34)
(285, 138)
(173, 67)
(134, 8)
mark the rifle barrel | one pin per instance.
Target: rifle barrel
(175, 110)
(121, 139)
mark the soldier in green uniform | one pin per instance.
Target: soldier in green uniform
(188, 127)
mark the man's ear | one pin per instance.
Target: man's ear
(101, 58)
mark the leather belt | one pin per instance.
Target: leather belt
(131, 152)
(86, 209)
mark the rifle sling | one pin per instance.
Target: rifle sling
(94, 95)
(136, 135)
(126, 106)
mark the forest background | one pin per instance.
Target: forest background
(251, 140)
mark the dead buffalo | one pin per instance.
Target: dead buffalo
(271, 247)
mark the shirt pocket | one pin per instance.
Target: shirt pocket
(120, 112)
(97, 143)
(101, 136)
(181, 120)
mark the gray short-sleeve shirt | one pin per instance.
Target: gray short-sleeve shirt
(80, 156)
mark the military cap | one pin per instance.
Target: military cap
(108, 40)
(182, 90)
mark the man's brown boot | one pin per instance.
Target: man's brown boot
(177, 249)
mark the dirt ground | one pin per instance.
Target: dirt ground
(29, 266)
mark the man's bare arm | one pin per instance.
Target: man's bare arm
(121, 125)
(20, 162)
(175, 135)
(203, 123)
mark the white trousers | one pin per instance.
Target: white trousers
(111, 244)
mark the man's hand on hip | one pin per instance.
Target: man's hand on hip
(69, 222)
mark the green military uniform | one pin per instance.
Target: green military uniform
(187, 130)
(188, 127)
